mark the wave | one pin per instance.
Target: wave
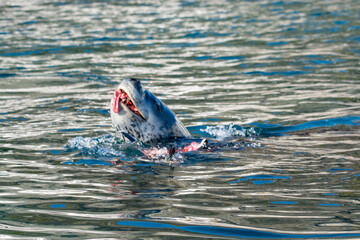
(231, 131)
(278, 130)
(237, 232)
(101, 150)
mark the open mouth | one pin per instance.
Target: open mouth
(121, 96)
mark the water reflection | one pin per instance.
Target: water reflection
(272, 84)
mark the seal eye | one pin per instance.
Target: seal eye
(159, 107)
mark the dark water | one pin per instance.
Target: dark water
(274, 85)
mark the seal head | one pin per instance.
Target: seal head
(137, 114)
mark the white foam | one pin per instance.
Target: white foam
(103, 146)
(223, 132)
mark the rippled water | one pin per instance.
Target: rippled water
(274, 86)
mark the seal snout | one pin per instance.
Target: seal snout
(134, 80)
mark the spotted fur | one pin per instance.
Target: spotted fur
(160, 121)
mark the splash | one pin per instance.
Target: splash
(103, 150)
(106, 146)
(225, 132)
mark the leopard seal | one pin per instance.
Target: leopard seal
(137, 114)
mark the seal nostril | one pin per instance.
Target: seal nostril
(132, 80)
(135, 82)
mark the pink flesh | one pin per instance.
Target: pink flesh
(155, 152)
(192, 147)
(119, 95)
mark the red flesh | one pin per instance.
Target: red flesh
(120, 95)
(155, 152)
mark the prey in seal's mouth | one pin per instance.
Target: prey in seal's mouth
(121, 96)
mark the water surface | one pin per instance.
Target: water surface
(274, 85)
